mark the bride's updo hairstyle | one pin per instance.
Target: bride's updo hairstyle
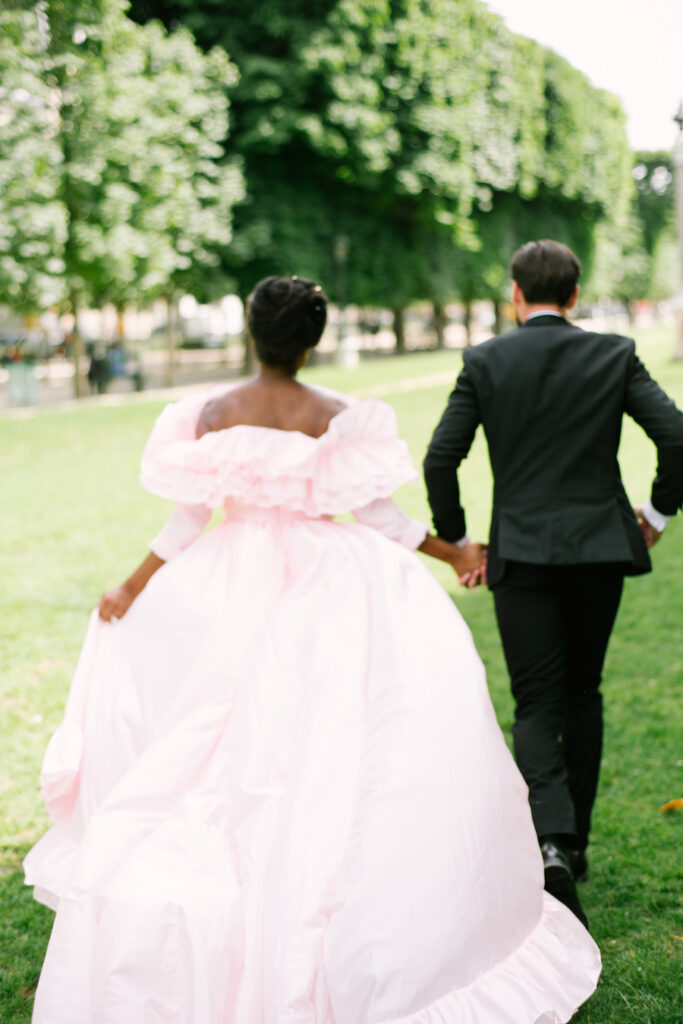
(286, 316)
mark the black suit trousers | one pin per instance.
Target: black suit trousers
(555, 623)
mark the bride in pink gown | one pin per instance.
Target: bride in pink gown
(279, 793)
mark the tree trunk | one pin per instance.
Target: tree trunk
(440, 325)
(170, 339)
(249, 355)
(68, 196)
(120, 324)
(400, 331)
(498, 317)
(76, 349)
(467, 322)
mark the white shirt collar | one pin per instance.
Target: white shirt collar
(543, 312)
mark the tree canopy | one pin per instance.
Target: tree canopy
(424, 131)
(637, 255)
(396, 150)
(113, 155)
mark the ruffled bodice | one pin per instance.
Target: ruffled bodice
(359, 459)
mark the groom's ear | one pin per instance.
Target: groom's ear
(573, 297)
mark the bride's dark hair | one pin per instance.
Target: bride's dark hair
(285, 316)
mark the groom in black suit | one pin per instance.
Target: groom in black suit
(551, 398)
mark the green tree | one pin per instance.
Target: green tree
(664, 271)
(137, 123)
(637, 255)
(654, 197)
(491, 136)
(424, 131)
(622, 267)
(32, 222)
(565, 181)
(269, 127)
(170, 190)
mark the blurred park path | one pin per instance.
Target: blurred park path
(55, 386)
(193, 368)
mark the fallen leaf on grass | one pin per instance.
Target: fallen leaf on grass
(679, 937)
(673, 805)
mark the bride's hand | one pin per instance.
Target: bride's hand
(470, 564)
(115, 603)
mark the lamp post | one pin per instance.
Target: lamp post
(678, 184)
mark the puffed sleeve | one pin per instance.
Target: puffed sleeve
(387, 518)
(183, 526)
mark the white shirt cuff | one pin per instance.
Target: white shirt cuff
(463, 542)
(656, 519)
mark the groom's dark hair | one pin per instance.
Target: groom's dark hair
(546, 271)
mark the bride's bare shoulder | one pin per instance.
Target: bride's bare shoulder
(220, 411)
(335, 401)
(325, 405)
(286, 406)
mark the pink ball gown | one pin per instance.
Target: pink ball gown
(279, 793)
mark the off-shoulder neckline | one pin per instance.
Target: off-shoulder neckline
(277, 430)
(357, 459)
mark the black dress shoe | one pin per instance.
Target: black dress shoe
(578, 862)
(559, 881)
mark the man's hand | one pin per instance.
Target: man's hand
(469, 563)
(468, 560)
(115, 603)
(649, 533)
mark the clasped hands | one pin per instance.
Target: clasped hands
(469, 562)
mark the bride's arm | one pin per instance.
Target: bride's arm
(115, 603)
(386, 517)
(391, 521)
(183, 526)
(468, 560)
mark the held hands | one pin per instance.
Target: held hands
(649, 533)
(469, 562)
(115, 603)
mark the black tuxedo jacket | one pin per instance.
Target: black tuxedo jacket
(551, 398)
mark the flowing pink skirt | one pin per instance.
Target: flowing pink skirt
(280, 796)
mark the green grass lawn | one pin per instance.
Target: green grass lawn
(74, 521)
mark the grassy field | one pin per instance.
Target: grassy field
(74, 521)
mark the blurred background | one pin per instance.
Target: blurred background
(158, 158)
